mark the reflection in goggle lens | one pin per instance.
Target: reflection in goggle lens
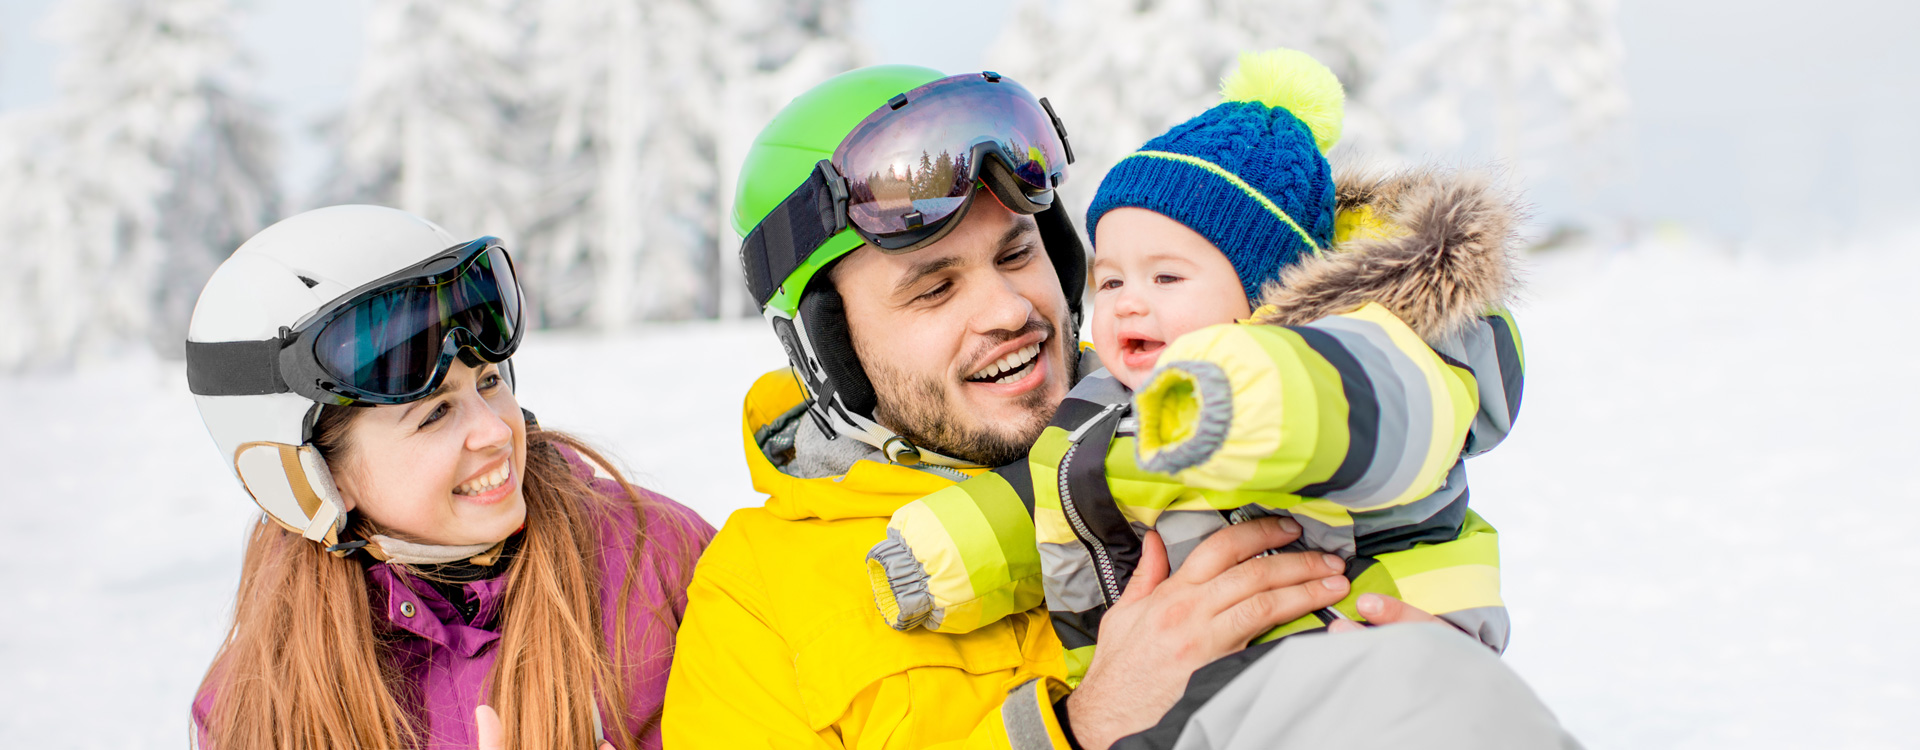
(917, 165)
(391, 343)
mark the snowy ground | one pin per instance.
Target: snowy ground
(1708, 540)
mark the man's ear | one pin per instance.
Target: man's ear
(824, 314)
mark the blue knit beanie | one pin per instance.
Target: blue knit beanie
(1251, 174)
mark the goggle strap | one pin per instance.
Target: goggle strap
(809, 216)
(1058, 127)
(235, 368)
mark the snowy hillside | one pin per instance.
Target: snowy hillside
(1708, 539)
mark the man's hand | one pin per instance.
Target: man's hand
(492, 735)
(1380, 609)
(1163, 628)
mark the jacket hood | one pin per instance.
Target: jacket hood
(1434, 246)
(869, 489)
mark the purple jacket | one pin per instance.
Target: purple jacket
(449, 660)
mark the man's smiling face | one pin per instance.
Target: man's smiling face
(965, 340)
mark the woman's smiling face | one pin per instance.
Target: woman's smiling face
(446, 469)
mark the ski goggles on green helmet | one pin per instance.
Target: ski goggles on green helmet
(906, 174)
(391, 341)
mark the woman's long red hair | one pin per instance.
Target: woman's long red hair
(304, 668)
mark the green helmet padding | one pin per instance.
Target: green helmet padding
(804, 132)
(808, 129)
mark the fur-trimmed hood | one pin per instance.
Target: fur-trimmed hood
(1434, 246)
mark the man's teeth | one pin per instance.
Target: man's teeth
(1004, 366)
(488, 483)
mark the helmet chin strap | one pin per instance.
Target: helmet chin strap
(829, 409)
(388, 549)
(898, 449)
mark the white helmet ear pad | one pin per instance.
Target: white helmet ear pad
(295, 487)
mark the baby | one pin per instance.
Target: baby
(1378, 358)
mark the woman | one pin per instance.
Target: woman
(431, 550)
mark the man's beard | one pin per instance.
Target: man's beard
(916, 407)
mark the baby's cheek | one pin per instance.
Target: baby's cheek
(1198, 310)
(1104, 343)
(1180, 321)
(1102, 321)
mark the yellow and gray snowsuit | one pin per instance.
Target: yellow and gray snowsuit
(1348, 402)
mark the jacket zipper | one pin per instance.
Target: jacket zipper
(943, 471)
(1102, 562)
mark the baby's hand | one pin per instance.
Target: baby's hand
(1212, 412)
(1353, 409)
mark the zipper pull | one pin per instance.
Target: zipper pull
(1081, 432)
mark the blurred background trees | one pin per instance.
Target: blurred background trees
(1515, 79)
(600, 138)
(122, 196)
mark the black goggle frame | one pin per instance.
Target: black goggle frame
(290, 363)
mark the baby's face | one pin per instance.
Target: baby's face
(1153, 281)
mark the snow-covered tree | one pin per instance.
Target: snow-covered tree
(1539, 74)
(616, 141)
(436, 124)
(588, 134)
(782, 49)
(80, 251)
(150, 166)
(656, 102)
(1119, 74)
(1514, 77)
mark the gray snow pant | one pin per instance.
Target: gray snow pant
(1401, 686)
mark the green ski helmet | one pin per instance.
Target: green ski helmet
(798, 215)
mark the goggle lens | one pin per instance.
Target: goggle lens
(914, 166)
(395, 343)
(485, 301)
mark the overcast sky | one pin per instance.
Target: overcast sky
(1792, 119)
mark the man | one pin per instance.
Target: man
(900, 237)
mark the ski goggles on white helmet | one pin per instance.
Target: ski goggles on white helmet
(903, 177)
(390, 341)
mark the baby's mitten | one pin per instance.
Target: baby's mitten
(1353, 408)
(957, 559)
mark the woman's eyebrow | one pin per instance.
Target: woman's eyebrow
(437, 392)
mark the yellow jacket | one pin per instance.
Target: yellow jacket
(781, 647)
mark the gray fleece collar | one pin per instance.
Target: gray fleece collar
(815, 455)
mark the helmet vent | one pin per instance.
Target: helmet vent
(309, 282)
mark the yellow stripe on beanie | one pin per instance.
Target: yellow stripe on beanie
(1234, 180)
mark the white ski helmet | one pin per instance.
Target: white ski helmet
(271, 284)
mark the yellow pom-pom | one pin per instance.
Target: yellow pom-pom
(1292, 80)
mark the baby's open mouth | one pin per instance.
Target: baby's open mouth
(1141, 346)
(1140, 354)
(1009, 368)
